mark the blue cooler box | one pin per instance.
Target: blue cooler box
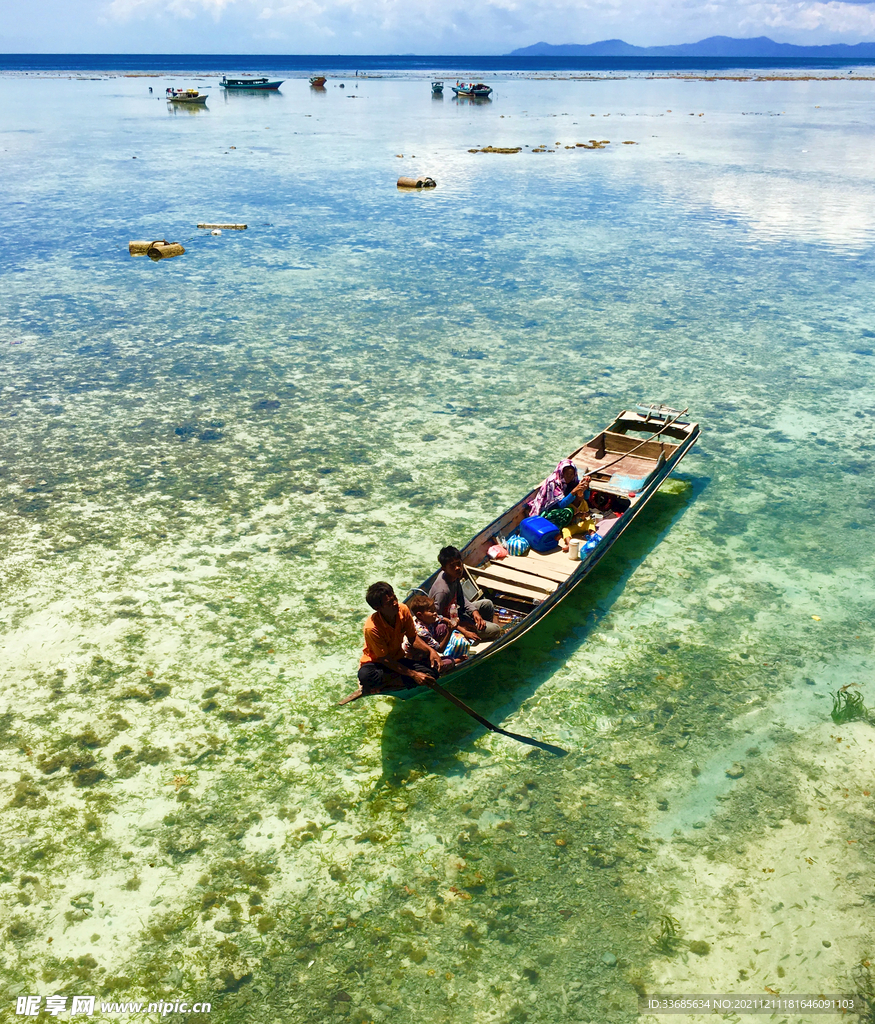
(542, 535)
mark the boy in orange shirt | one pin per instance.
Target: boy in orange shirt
(383, 655)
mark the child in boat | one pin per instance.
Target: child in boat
(383, 661)
(433, 629)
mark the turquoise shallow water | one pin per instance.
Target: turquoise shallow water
(206, 460)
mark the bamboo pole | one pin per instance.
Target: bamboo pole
(225, 227)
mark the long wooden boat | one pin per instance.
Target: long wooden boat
(248, 84)
(627, 462)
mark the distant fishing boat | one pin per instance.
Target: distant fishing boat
(475, 89)
(261, 84)
(437, 87)
(318, 81)
(626, 464)
(186, 96)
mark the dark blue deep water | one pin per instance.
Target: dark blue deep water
(304, 64)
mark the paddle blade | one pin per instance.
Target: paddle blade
(558, 751)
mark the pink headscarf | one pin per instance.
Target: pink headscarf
(553, 489)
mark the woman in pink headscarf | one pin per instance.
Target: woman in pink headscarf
(555, 488)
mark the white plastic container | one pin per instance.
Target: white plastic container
(574, 549)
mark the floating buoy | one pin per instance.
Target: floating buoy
(164, 250)
(417, 183)
(216, 231)
(141, 248)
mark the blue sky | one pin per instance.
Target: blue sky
(411, 26)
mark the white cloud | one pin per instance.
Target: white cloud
(420, 26)
(123, 10)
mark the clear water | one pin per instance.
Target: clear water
(206, 460)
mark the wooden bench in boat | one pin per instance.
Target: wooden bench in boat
(499, 573)
(501, 585)
(532, 577)
(541, 565)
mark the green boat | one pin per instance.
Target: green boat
(247, 84)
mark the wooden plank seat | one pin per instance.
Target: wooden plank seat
(500, 586)
(507, 574)
(547, 570)
(557, 560)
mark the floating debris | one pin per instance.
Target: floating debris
(164, 250)
(417, 183)
(141, 248)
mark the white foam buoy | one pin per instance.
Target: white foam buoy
(216, 231)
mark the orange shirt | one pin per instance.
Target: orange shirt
(384, 641)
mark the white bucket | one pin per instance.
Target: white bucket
(574, 549)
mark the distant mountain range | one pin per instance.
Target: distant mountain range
(714, 46)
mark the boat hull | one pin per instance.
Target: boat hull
(472, 90)
(581, 572)
(260, 87)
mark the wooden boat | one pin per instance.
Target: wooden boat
(472, 89)
(627, 463)
(318, 81)
(437, 87)
(186, 96)
(261, 84)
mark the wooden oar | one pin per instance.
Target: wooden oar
(433, 685)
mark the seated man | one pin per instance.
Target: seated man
(385, 631)
(475, 617)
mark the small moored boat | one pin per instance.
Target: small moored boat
(318, 81)
(626, 462)
(241, 84)
(437, 87)
(472, 89)
(186, 96)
